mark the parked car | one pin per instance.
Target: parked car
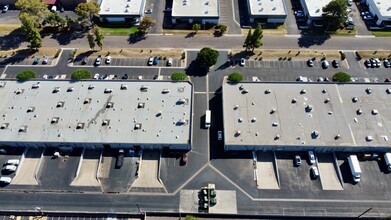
(242, 61)
(5, 180)
(297, 160)
(149, 11)
(10, 168)
(5, 8)
(311, 157)
(310, 63)
(98, 61)
(315, 172)
(185, 158)
(85, 61)
(325, 64)
(96, 76)
(219, 135)
(387, 80)
(36, 60)
(150, 61)
(108, 60)
(387, 63)
(125, 76)
(349, 20)
(335, 63)
(45, 60)
(120, 158)
(155, 60)
(367, 17)
(368, 64)
(169, 62)
(45, 77)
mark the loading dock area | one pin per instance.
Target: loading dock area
(87, 169)
(266, 171)
(328, 170)
(148, 173)
(26, 175)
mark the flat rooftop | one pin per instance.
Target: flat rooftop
(307, 114)
(314, 7)
(195, 8)
(267, 7)
(147, 112)
(383, 6)
(122, 7)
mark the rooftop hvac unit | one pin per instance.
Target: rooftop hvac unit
(205, 12)
(165, 91)
(56, 89)
(70, 89)
(35, 86)
(126, 10)
(274, 8)
(206, 3)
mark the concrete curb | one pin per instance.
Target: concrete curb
(80, 162)
(159, 165)
(276, 169)
(39, 166)
(338, 170)
(21, 160)
(99, 166)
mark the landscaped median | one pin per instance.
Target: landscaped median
(25, 52)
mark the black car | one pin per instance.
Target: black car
(36, 60)
(335, 63)
(310, 63)
(125, 76)
(85, 61)
(387, 63)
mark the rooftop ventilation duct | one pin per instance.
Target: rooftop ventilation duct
(87, 101)
(317, 10)
(375, 112)
(237, 133)
(206, 3)
(23, 129)
(303, 91)
(253, 120)
(159, 113)
(324, 91)
(18, 91)
(245, 91)
(327, 100)
(60, 104)
(388, 91)
(182, 121)
(236, 107)
(241, 87)
(70, 89)
(274, 8)
(110, 105)
(275, 124)
(240, 120)
(182, 101)
(338, 136)
(54, 120)
(35, 86)
(368, 90)
(108, 90)
(56, 90)
(124, 87)
(141, 105)
(308, 108)
(144, 88)
(206, 12)
(272, 111)
(315, 134)
(137, 126)
(4, 125)
(277, 137)
(267, 91)
(369, 138)
(359, 111)
(294, 100)
(30, 109)
(91, 87)
(105, 122)
(354, 99)
(80, 126)
(165, 91)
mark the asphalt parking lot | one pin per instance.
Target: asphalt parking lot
(11, 153)
(58, 173)
(24, 61)
(124, 62)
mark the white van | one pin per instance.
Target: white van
(12, 162)
(5, 179)
(311, 157)
(10, 168)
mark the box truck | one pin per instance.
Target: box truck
(355, 168)
(207, 118)
(387, 159)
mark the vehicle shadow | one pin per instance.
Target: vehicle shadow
(18, 57)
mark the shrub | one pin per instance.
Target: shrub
(57, 53)
(80, 74)
(341, 77)
(343, 56)
(179, 76)
(235, 77)
(72, 55)
(358, 55)
(26, 75)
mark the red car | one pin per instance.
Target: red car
(185, 157)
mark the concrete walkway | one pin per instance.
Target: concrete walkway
(89, 166)
(148, 171)
(28, 169)
(266, 172)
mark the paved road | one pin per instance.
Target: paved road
(225, 42)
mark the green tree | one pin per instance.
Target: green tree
(145, 24)
(190, 217)
(256, 37)
(35, 39)
(55, 19)
(179, 76)
(87, 11)
(235, 77)
(208, 56)
(334, 14)
(25, 75)
(99, 37)
(37, 9)
(80, 74)
(196, 27)
(223, 28)
(91, 40)
(341, 77)
(247, 42)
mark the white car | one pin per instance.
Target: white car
(325, 64)
(108, 60)
(98, 61)
(242, 61)
(10, 168)
(169, 62)
(150, 61)
(311, 157)
(96, 76)
(5, 8)
(45, 77)
(220, 135)
(315, 172)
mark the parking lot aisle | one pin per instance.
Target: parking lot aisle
(28, 169)
(89, 166)
(328, 174)
(266, 172)
(148, 171)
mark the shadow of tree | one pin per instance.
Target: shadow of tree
(12, 41)
(196, 69)
(242, 54)
(308, 41)
(18, 57)
(134, 38)
(83, 55)
(223, 66)
(190, 35)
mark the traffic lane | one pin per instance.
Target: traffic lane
(120, 62)
(10, 17)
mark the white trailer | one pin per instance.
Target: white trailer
(387, 159)
(207, 118)
(355, 168)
